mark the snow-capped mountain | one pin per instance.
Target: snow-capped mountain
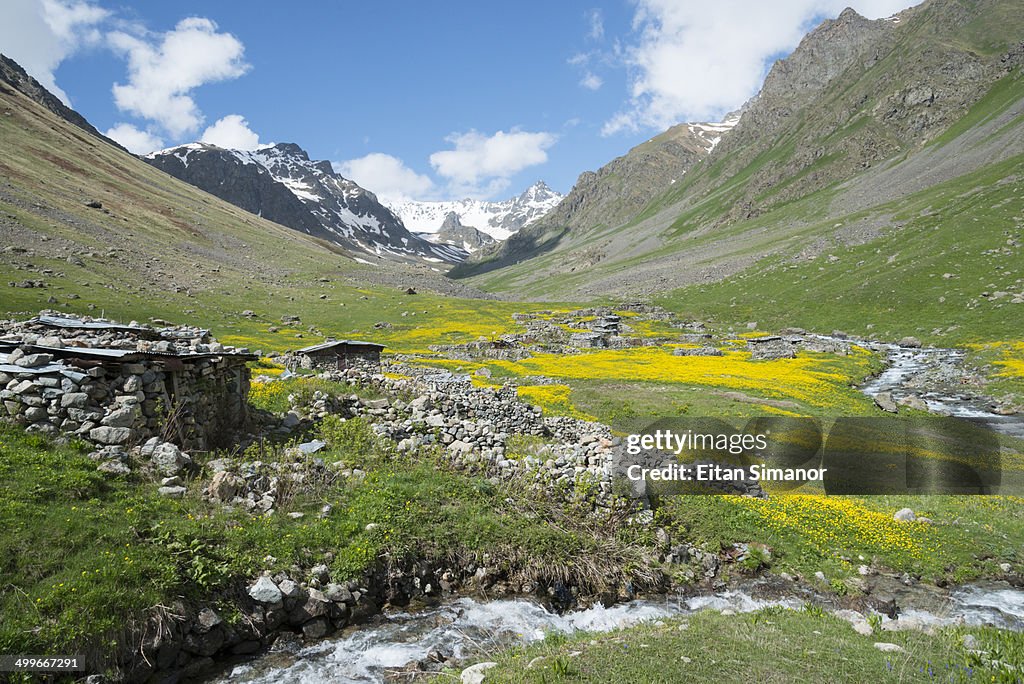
(280, 182)
(497, 219)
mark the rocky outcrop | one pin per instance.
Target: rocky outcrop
(467, 237)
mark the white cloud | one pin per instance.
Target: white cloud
(694, 64)
(136, 140)
(591, 81)
(481, 165)
(163, 73)
(40, 34)
(231, 132)
(387, 177)
(595, 22)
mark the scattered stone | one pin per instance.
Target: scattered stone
(475, 674)
(886, 647)
(172, 492)
(904, 515)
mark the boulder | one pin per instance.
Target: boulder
(474, 674)
(910, 343)
(884, 401)
(265, 591)
(904, 515)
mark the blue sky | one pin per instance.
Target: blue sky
(411, 99)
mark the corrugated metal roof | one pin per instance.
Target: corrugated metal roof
(78, 323)
(337, 343)
(134, 355)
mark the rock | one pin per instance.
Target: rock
(886, 647)
(121, 418)
(820, 576)
(317, 628)
(904, 515)
(862, 627)
(475, 674)
(73, 400)
(114, 467)
(224, 486)
(914, 402)
(172, 492)
(168, 459)
(458, 447)
(970, 642)
(265, 591)
(910, 343)
(110, 435)
(34, 360)
(1006, 568)
(884, 401)
(339, 594)
(207, 620)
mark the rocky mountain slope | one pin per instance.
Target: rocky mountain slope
(281, 183)
(87, 227)
(453, 232)
(612, 194)
(12, 74)
(863, 119)
(496, 219)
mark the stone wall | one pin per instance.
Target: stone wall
(196, 407)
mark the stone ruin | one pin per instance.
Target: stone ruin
(119, 385)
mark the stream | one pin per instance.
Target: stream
(933, 374)
(466, 628)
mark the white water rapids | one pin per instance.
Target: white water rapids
(467, 628)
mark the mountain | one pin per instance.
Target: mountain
(613, 194)
(497, 219)
(871, 138)
(86, 227)
(452, 232)
(281, 183)
(12, 74)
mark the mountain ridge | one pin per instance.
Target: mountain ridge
(281, 182)
(857, 98)
(498, 219)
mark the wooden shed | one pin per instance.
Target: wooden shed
(339, 354)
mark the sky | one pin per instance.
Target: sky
(412, 100)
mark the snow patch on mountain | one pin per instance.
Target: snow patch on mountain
(496, 219)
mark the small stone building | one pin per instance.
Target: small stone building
(770, 348)
(122, 384)
(339, 355)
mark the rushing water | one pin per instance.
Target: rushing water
(914, 371)
(466, 628)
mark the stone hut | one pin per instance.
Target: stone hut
(111, 383)
(339, 355)
(770, 348)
